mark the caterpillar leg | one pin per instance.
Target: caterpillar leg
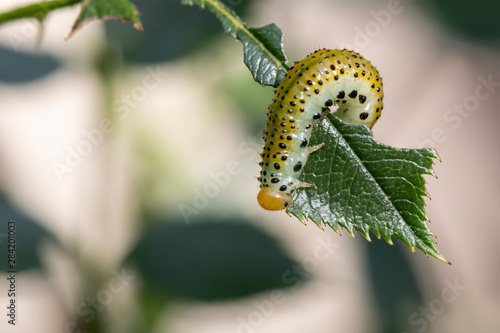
(303, 184)
(309, 151)
(312, 149)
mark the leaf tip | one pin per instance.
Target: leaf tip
(436, 156)
(351, 233)
(78, 25)
(138, 26)
(366, 234)
(320, 224)
(441, 258)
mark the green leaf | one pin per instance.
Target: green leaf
(211, 260)
(106, 10)
(394, 286)
(362, 185)
(173, 31)
(262, 47)
(20, 67)
(29, 236)
(463, 18)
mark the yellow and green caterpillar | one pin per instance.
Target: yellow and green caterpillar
(304, 97)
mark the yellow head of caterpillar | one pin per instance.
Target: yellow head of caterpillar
(272, 199)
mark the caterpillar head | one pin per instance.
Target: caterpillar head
(272, 199)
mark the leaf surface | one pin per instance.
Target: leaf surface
(362, 185)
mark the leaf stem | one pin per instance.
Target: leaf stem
(37, 10)
(236, 28)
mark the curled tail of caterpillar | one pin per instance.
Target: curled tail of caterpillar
(323, 79)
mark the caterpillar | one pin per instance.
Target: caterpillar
(303, 98)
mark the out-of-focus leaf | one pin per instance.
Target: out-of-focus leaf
(20, 67)
(362, 185)
(262, 47)
(171, 30)
(250, 99)
(28, 233)
(476, 20)
(396, 293)
(210, 261)
(106, 10)
(152, 304)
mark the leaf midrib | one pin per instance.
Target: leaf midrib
(386, 197)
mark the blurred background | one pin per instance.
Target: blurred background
(129, 161)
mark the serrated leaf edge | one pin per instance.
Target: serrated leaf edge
(424, 247)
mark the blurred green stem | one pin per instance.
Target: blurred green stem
(37, 10)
